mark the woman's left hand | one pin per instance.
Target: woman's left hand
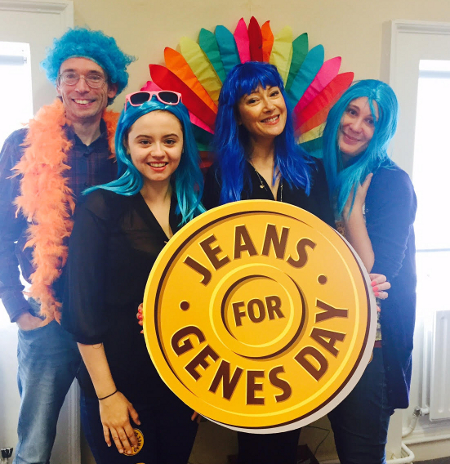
(360, 197)
(380, 285)
(115, 414)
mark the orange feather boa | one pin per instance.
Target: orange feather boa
(47, 201)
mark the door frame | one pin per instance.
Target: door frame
(63, 8)
(394, 31)
(62, 13)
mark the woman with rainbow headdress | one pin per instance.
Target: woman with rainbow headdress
(118, 233)
(375, 207)
(258, 158)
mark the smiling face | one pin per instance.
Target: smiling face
(83, 104)
(263, 113)
(155, 144)
(356, 128)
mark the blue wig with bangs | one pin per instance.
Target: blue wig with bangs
(187, 180)
(232, 142)
(94, 45)
(342, 178)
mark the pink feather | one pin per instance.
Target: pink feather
(242, 41)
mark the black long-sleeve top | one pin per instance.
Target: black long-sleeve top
(113, 246)
(390, 210)
(89, 165)
(317, 202)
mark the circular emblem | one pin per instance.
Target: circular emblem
(140, 439)
(258, 316)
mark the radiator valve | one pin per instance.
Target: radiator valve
(5, 453)
(413, 422)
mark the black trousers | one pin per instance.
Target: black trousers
(276, 448)
(168, 433)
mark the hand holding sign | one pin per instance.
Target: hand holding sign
(259, 316)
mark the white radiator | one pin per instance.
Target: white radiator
(440, 367)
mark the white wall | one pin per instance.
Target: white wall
(348, 28)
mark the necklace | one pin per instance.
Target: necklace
(262, 184)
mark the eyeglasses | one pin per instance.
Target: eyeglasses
(93, 80)
(167, 97)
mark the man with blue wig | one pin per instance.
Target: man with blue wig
(66, 148)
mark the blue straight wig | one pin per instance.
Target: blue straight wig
(231, 140)
(187, 180)
(342, 178)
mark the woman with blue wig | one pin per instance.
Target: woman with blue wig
(375, 207)
(258, 158)
(128, 413)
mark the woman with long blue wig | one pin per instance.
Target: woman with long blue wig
(258, 158)
(375, 207)
(241, 149)
(118, 232)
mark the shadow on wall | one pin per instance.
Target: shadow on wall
(213, 444)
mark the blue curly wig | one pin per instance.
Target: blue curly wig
(187, 180)
(231, 140)
(341, 179)
(94, 45)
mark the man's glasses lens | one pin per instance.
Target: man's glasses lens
(94, 81)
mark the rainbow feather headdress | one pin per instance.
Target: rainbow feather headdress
(198, 70)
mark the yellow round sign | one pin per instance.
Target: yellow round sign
(258, 316)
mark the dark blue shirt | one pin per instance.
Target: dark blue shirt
(89, 165)
(390, 212)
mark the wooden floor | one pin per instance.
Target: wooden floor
(435, 461)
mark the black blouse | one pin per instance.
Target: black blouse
(317, 202)
(113, 246)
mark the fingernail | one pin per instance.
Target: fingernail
(374, 283)
(377, 294)
(140, 316)
(375, 289)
